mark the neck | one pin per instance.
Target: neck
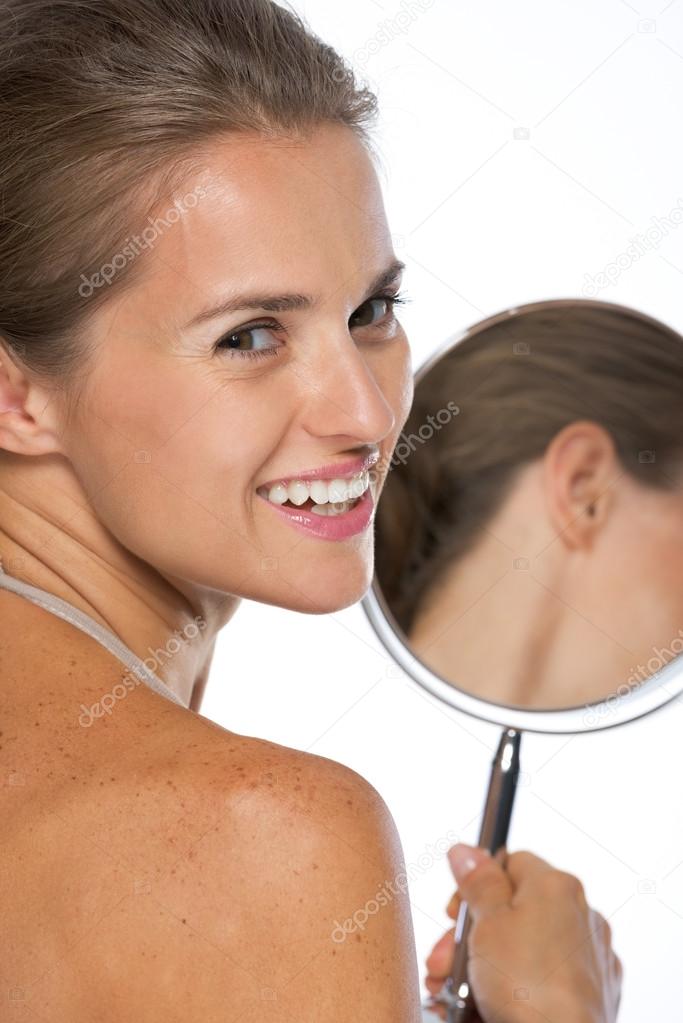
(51, 538)
(468, 630)
(521, 636)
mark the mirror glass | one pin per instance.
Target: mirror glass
(529, 537)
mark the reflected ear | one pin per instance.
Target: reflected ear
(28, 425)
(579, 467)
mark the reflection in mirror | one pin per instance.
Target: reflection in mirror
(529, 538)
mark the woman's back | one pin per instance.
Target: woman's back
(159, 866)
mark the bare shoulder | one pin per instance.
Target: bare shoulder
(292, 873)
(207, 875)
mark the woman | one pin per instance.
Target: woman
(199, 339)
(564, 460)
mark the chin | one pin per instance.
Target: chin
(323, 588)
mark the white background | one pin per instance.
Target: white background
(486, 217)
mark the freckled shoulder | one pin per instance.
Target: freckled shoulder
(287, 877)
(204, 874)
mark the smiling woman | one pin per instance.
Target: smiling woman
(196, 308)
(202, 380)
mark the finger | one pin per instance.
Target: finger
(525, 866)
(440, 960)
(527, 871)
(482, 881)
(434, 984)
(453, 907)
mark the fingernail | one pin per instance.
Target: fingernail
(464, 859)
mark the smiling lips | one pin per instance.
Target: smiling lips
(339, 520)
(334, 502)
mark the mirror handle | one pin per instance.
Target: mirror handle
(492, 836)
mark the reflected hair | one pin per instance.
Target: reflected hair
(517, 382)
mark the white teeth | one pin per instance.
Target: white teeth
(322, 492)
(318, 490)
(359, 484)
(278, 494)
(338, 491)
(297, 492)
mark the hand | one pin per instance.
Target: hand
(536, 948)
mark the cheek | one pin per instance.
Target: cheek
(179, 437)
(214, 451)
(178, 490)
(401, 384)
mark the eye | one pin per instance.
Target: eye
(236, 344)
(376, 312)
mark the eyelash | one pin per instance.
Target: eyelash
(394, 300)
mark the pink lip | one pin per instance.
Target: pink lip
(343, 470)
(337, 527)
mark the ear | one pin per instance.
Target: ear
(579, 467)
(29, 423)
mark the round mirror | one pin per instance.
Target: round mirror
(529, 537)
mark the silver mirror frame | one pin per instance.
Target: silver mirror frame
(661, 688)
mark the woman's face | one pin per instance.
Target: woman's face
(186, 413)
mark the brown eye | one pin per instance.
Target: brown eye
(237, 344)
(371, 312)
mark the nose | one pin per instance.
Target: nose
(342, 396)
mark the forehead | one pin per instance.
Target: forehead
(275, 212)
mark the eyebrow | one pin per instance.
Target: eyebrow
(286, 303)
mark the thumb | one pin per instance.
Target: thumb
(482, 882)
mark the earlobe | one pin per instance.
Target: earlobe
(22, 435)
(580, 464)
(20, 431)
